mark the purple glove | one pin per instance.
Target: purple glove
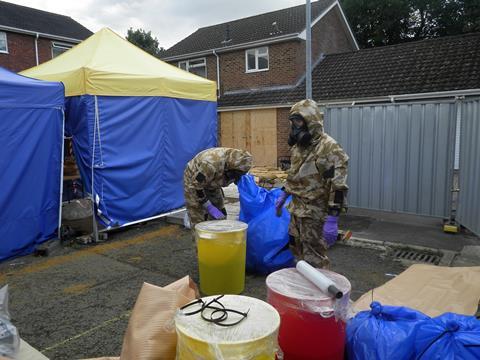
(213, 211)
(280, 202)
(330, 230)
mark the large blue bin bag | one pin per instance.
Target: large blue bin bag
(449, 337)
(383, 333)
(267, 234)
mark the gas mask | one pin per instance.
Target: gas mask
(299, 133)
(233, 176)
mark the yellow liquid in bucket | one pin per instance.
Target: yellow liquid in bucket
(221, 262)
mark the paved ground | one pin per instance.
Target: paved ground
(75, 303)
(405, 229)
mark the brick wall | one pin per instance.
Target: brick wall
(44, 50)
(21, 52)
(337, 37)
(211, 67)
(286, 59)
(283, 129)
(282, 68)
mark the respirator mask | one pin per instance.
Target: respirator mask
(299, 134)
(233, 176)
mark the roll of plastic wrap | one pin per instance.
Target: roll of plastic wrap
(320, 280)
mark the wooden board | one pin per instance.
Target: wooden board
(251, 130)
(264, 137)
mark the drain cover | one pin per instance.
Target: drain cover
(417, 256)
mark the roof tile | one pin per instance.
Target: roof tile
(27, 18)
(253, 28)
(440, 64)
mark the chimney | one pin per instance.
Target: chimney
(227, 35)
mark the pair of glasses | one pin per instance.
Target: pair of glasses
(218, 315)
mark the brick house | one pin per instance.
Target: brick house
(261, 53)
(428, 70)
(29, 37)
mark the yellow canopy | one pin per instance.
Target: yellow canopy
(107, 64)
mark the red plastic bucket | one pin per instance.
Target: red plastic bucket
(312, 325)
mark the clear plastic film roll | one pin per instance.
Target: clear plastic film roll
(298, 293)
(253, 338)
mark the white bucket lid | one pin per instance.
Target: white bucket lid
(262, 320)
(221, 226)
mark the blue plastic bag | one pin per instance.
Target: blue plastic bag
(383, 333)
(267, 234)
(253, 199)
(448, 337)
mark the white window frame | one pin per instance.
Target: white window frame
(256, 50)
(6, 43)
(188, 66)
(60, 45)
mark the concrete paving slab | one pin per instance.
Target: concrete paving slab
(405, 229)
(469, 256)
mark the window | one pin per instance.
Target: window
(256, 59)
(195, 66)
(59, 48)
(3, 42)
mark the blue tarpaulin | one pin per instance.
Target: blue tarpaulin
(267, 234)
(31, 139)
(139, 147)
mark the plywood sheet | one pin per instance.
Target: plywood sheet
(264, 137)
(251, 130)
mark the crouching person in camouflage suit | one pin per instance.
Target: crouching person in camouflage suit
(317, 182)
(204, 177)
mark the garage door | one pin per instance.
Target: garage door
(252, 130)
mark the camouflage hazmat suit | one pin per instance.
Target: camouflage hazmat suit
(316, 172)
(206, 174)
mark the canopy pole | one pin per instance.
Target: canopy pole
(61, 178)
(94, 218)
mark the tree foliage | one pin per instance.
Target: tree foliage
(385, 22)
(145, 41)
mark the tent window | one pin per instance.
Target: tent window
(3, 42)
(59, 48)
(195, 66)
(256, 59)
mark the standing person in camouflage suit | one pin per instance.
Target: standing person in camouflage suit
(204, 177)
(317, 182)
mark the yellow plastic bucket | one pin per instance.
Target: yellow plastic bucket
(255, 338)
(221, 250)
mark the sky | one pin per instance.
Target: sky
(168, 20)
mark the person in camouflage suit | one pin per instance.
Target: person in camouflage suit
(204, 177)
(317, 182)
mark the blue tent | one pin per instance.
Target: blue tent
(31, 138)
(135, 122)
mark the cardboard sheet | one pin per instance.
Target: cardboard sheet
(430, 289)
(27, 352)
(151, 329)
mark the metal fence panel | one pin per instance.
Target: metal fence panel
(401, 155)
(468, 212)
